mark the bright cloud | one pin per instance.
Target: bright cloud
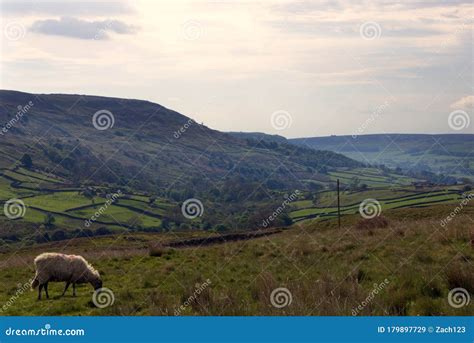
(466, 102)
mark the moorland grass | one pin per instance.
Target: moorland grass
(328, 271)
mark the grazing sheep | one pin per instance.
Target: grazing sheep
(56, 267)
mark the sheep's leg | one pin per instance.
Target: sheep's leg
(46, 290)
(65, 288)
(74, 289)
(40, 288)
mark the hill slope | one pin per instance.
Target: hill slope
(327, 271)
(149, 147)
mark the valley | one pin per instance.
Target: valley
(161, 214)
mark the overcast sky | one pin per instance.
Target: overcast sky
(295, 68)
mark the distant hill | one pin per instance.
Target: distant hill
(450, 154)
(149, 147)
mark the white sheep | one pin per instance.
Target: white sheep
(56, 267)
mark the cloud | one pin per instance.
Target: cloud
(71, 8)
(81, 29)
(466, 102)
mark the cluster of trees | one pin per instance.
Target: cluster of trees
(59, 235)
(356, 185)
(26, 161)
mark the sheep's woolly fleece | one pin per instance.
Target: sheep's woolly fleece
(61, 267)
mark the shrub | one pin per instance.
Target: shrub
(431, 290)
(102, 231)
(184, 226)
(372, 223)
(461, 275)
(156, 249)
(58, 235)
(26, 161)
(427, 307)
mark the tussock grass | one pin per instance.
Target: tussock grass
(328, 271)
(461, 275)
(379, 222)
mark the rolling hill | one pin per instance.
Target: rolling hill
(147, 146)
(62, 155)
(449, 154)
(63, 164)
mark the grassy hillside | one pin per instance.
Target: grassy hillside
(72, 207)
(142, 145)
(401, 198)
(70, 160)
(446, 154)
(413, 261)
(259, 136)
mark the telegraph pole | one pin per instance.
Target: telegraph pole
(338, 206)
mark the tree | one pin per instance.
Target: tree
(316, 199)
(102, 231)
(42, 238)
(49, 220)
(220, 228)
(58, 235)
(26, 161)
(165, 224)
(354, 185)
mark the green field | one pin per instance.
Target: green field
(48, 195)
(70, 207)
(328, 271)
(387, 199)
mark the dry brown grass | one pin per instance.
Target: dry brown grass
(461, 275)
(328, 272)
(156, 249)
(379, 222)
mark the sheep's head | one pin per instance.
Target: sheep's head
(96, 283)
(94, 278)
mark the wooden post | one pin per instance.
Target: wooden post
(338, 206)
